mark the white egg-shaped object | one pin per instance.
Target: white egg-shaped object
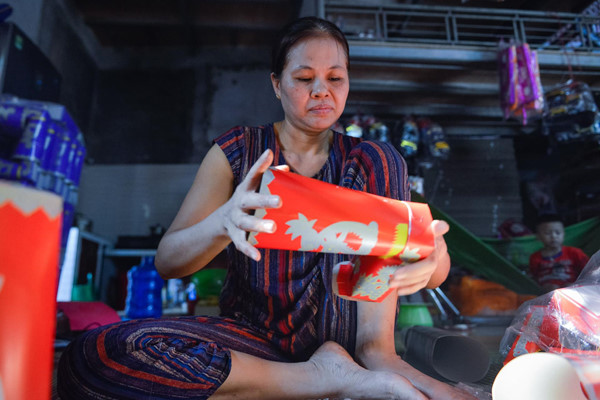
(538, 376)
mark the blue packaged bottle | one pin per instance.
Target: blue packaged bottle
(144, 291)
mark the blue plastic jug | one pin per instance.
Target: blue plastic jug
(144, 286)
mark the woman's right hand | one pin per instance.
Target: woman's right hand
(237, 218)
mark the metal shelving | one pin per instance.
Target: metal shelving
(441, 62)
(464, 26)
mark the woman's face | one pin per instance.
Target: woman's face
(313, 85)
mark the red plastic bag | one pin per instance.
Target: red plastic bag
(565, 321)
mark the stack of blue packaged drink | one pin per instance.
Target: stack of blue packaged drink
(42, 147)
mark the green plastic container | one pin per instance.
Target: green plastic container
(208, 282)
(84, 292)
(412, 314)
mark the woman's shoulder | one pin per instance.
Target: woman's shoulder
(242, 132)
(376, 148)
(343, 141)
(243, 145)
(352, 142)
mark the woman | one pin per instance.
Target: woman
(282, 333)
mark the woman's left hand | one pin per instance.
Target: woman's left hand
(429, 272)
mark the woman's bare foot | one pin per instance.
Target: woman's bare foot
(433, 388)
(336, 366)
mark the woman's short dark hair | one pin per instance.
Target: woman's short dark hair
(301, 29)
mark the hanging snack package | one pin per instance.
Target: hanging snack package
(571, 111)
(433, 138)
(322, 217)
(511, 97)
(529, 83)
(409, 144)
(355, 126)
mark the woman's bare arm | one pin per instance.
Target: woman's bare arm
(213, 215)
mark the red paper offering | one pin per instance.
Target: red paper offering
(30, 226)
(322, 217)
(365, 279)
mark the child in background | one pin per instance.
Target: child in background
(555, 265)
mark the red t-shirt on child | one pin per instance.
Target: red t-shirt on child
(561, 269)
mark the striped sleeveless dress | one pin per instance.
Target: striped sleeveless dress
(281, 308)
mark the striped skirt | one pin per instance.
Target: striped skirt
(168, 358)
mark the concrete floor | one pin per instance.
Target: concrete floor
(489, 332)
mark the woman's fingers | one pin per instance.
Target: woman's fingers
(415, 276)
(252, 179)
(410, 274)
(410, 289)
(237, 230)
(283, 167)
(244, 200)
(242, 245)
(253, 200)
(439, 227)
(246, 196)
(249, 223)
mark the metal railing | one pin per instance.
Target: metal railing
(464, 26)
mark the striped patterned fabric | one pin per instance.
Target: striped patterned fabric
(168, 358)
(281, 308)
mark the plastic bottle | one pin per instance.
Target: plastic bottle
(144, 291)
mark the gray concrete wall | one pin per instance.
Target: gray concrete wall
(172, 115)
(126, 198)
(478, 185)
(241, 97)
(67, 52)
(27, 14)
(148, 121)
(141, 117)
(129, 199)
(47, 24)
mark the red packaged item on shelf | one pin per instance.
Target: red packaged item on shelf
(322, 217)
